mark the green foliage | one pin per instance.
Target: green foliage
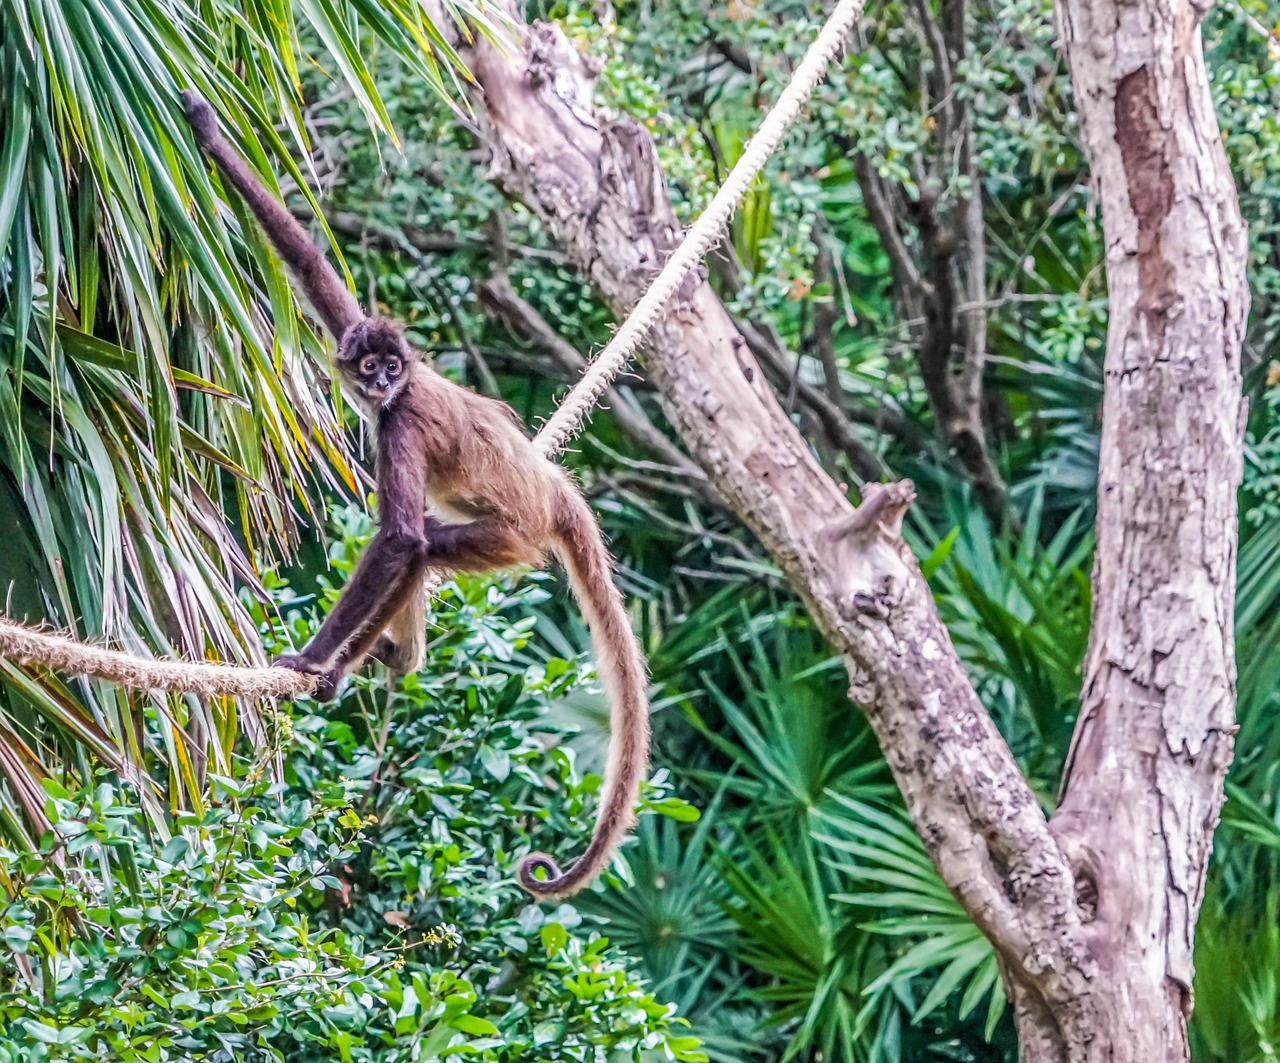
(790, 743)
(146, 406)
(814, 964)
(1017, 610)
(881, 852)
(361, 906)
(797, 906)
(1237, 1015)
(202, 947)
(345, 893)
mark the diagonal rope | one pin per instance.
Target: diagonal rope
(706, 232)
(59, 653)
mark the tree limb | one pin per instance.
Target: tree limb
(837, 419)
(975, 812)
(825, 316)
(1149, 757)
(414, 238)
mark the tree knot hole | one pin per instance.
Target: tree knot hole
(1086, 894)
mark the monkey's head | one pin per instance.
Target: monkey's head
(373, 359)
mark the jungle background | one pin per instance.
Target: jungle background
(187, 879)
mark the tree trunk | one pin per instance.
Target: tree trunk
(1091, 916)
(1144, 781)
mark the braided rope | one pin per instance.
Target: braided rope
(705, 234)
(59, 653)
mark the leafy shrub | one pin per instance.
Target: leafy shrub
(346, 894)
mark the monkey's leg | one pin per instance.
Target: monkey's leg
(481, 546)
(389, 572)
(403, 617)
(356, 648)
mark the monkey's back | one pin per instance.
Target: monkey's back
(479, 460)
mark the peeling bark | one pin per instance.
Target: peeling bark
(1091, 919)
(1144, 780)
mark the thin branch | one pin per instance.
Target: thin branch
(734, 52)
(825, 316)
(835, 424)
(876, 198)
(838, 420)
(615, 484)
(414, 238)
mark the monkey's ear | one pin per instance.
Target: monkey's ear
(352, 342)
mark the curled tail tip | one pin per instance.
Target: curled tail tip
(553, 886)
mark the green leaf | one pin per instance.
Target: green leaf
(554, 937)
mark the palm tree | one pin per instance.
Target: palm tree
(164, 417)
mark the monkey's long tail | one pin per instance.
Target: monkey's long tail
(620, 662)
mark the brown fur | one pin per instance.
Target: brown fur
(461, 487)
(326, 293)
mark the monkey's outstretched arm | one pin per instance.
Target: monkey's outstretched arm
(324, 289)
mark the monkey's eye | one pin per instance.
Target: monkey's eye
(393, 367)
(369, 365)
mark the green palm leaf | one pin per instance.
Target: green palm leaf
(155, 373)
(881, 849)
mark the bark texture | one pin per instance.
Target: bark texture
(1144, 781)
(1091, 954)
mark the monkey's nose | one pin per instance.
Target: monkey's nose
(381, 383)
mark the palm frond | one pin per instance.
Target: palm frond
(155, 372)
(880, 849)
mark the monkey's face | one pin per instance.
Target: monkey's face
(374, 360)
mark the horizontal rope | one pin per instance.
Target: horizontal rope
(59, 653)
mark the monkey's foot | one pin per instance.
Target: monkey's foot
(327, 679)
(400, 658)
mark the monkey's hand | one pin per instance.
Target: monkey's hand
(203, 119)
(327, 679)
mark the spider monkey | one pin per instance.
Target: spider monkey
(460, 487)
